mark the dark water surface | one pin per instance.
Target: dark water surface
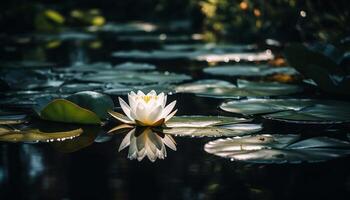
(96, 170)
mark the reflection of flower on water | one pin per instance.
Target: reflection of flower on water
(143, 141)
(144, 112)
(145, 109)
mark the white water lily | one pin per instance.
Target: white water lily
(145, 109)
(148, 143)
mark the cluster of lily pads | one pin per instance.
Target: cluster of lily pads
(80, 96)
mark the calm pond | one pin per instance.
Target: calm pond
(247, 125)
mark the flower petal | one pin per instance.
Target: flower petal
(170, 115)
(126, 108)
(168, 109)
(121, 117)
(126, 140)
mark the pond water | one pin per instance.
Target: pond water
(301, 146)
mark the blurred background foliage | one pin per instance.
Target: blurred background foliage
(234, 20)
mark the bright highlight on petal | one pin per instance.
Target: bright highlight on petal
(145, 109)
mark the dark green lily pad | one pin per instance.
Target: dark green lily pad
(154, 55)
(87, 138)
(248, 70)
(202, 121)
(133, 27)
(35, 135)
(61, 110)
(93, 101)
(278, 149)
(135, 78)
(236, 57)
(133, 66)
(263, 106)
(223, 89)
(213, 131)
(327, 112)
(209, 47)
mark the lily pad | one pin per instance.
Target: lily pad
(154, 55)
(61, 110)
(328, 112)
(132, 66)
(135, 78)
(35, 135)
(209, 47)
(237, 57)
(213, 131)
(93, 101)
(224, 89)
(263, 106)
(248, 70)
(278, 149)
(202, 121)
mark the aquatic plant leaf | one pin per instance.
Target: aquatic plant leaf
(202, 121)
(8, 118)
(61, 110)
(134, 66)
(222, 89)
(35, 135)
(248, 70)
(213, 131)
(278, 149)
(135, 78)
(93, 101)
(263, 106)
(318, 113)
(227, 57)
(87, 138)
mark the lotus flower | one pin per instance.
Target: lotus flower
(145, 109)
(146, 142)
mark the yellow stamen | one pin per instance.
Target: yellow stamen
(147, 98)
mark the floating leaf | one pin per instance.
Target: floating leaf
(213, 131)
(61, 110)
(84, 140)
(132, 66)
(262, 106)
(135, 78)
(93, 101)
(278, 148)
(248, 70)
(321, 113)
(7, 118)
(223, 89)
(202, 121)
(35, 135)
(227, 57)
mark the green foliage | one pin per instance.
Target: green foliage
(86, 107)
(61, 110)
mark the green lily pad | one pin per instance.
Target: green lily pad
(35, 135)
(263, 106)
(213, 131)
(278, 149)
(202, 121)
(93, 101)
(323, 112)
(87, 138)
(236, 57)
(133, 66)
(223, 89)
(61, 110)
(135, 78)
(248, 70)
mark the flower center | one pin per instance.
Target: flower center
(147, 98)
